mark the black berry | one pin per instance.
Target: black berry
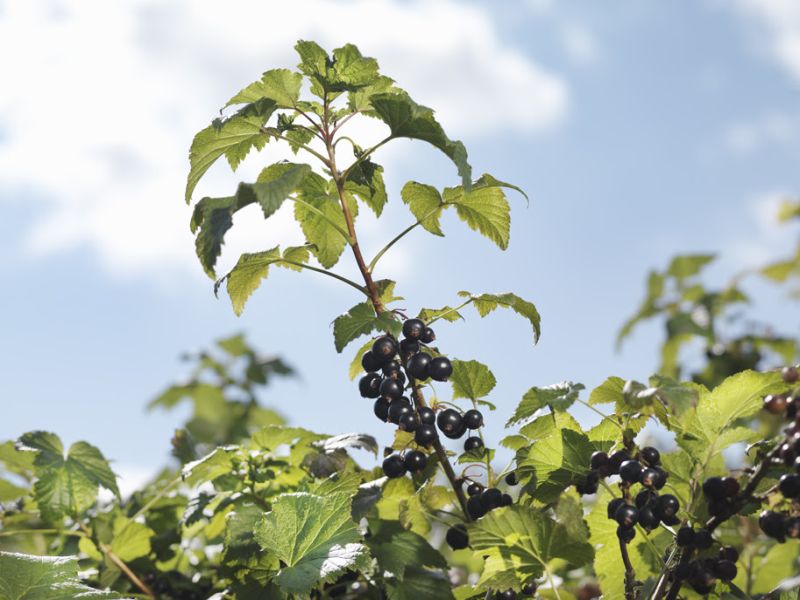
(703, 539)
(529, 588)
(473, 489)
(668, 506)
(427, 336)
(475, 507)
(394, 466)
(630, 471)
(440, 368)
(616, 459)
(613, 506)
(650, 477)
(506, 500)
(626, 534)
(731, 486)
(789, 485)
(685, 537)
(413, 329)
(369, 385)
(473, 419)
(511, 478)
(725, 570)
(381, 409)
(714, 488)
(772, 524)
(391, 389)
(398, 409)
(599, 461)
(409, 422)
(449, 421)
(648, 518)
(426, 415)
(645, 498)
(384, 348)
(792, 527)
(425, 435)
(454, 435)
(457, 537)
(775, 404)
(392, 369)
(506, 595)
(370, 362)
(409, 347)
(472, 443)
(626, 515)
(491, 498)
(729, 553)
(790, 374)
(418, 366)
(651, 456)
(415, 461)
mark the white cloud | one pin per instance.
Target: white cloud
(767, 239)
(778, 23)
(101, 99)
(749, 137)
(579, 43)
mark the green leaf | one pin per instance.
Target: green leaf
(519, 542)
(486, 303)
(365, 180)
(608, 392)
(348, 70)
(273, 186)
(131, 539)
(66, 485)
(355, 366)
(425, 203)
(280, 85)
(316, 214)
(247, 275)
(647, 309)
(446, 312)
(397, 549)
(361, 320)
(359, 99)
(234, 138)
(484, 209)
(208, 468)
(688, 265)
(26, 577)
(408, 119)
(419, 584)
(471, 379)
(348, 440)
(559, 396)
(314, 537)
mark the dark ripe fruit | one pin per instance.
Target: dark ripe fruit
(682, 571)
(418, 366)
(426, 415)
(473, 419)
(397, 410)
(427, 336)
(648, 518)
(668, 505)
(392, 369)
(720, 508)
(616, 459)
(507, 595)
(475, 507)
(728, 553)
(391, 389)
(775, 403)
(789, 485)
(394, 466)
(793, 527)
(473, 489)
(454, 435)
(630, 471)
(449, 421)
(626, 515)
(440, 368)
(506, 500)
(613, 506)
(384, 348)
(491, 498)
(650, 477)
(511, 478)
(381, 409)
(703, 539)
(413, 329)
(370, 362)
(457, 537)
(646, 497)
(529, 589)
(409, 347)
(714, 489)
(415, 461)
(369, 385)
(702, 581)
(651, 456)
(661, 480)
(584, 488)
(790, 374)
(409, 422)
(425, 435)
(598, 461)
(472, 443)
(731, 486)
(787, 453)
(685, 537)
(626, 534)
(772, 524)
(791, 408)
(592, 478)
(725, 570)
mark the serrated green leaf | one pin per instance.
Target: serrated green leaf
(273, 186)
(365, 180)
(419, 584)
(486, 303)
(9, 491)
(131, 539)
(688, 265)
(295, 254)
(247, 275)
(397, 549)
(355, 366)
(425, 203)
(608, 392)
(446, 312)
(314, 537)
(348, 440)
(208, 468)
(778, 564)
(471, 379)
(358, 321)
(26, 577)
(316, 214)
(484, 209)
(359, 100)
(559, 396)
(280, 85)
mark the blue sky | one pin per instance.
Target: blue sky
(639, 131)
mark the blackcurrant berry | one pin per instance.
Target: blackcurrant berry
(394, 466)
(651, 456)
(790, 374)
(598, 461)
(384, 348)
(511, 478)
(409, 347)
(772, 524)
(630, 471)
(391, 389)
(722, 509)
(626, 534)
(426, 415)
(473, 419)
(729, 553)
(775, 403)
(648, 518)
(475, 506)
(449, 421)
(626, 515)
(454, 435)
(398, 409)
(473, 489)
(409, 422)
(661, 479)
(668, 506)
(418, 366)
(646, 498)
(381, 409)
(731, 486)
(392, 369)
(369, 385)
(427, 336)
(616, 459)
(714, 488)
(725, 570)
(472, 443)
(529, 589)
(613, 506)
(682, 571)
(506, 500)
(491, 498)
(413, 329)
(789, 485)
(415, 461)
(425, 435)
(506, 595)
(703, 539)
(650, 477)
(685, 537)
(440, 368)
(457, 537)
(702, 581)
(793, 527)
(370, 362)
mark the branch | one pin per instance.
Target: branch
(120, 564)
(630, 574)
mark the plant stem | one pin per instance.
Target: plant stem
(364, 156)
(349, 282)
(385, 249)
(630, 574)
(120, 564)
(41, 531)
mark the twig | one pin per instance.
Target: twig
(630, 574)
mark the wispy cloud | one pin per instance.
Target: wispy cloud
(777, 24)
(752, 136)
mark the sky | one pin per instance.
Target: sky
(639, 130)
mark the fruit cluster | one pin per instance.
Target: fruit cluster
(702, 574)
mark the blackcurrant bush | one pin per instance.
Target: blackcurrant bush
(725, 570)
(731, 486)
(626, 534)
(370, 362)
(425, 435)
(529, 589)
(418, 366)
(650, 477)
(391, 389)
(440, 368)
(511, 478)
(598, 461)
(475, 506)
(772, 524)
(613, 506)
(473, 419)
(616, 459)
(648, 519)
(449, 421)
(491, 498)
(703, 539)
(506, 500)
(426, 415)
(775, 403)
(646, 498)
(729, 553)
(668, 506)
(409, 422)
(398, 409)
(506, 595)
(473, 489)
(427, 336)
(381, 409)
(472, 443)
(369, 385)
(415, 461)
(413, 329)
(685, 537)
(626, 515)
(409, 347)
(789, 485)
(793, 527)
(394, 466)
(790, 374)
(384, 348)
(651, 456)
(457, 537)
(630, 471)
(714, 488)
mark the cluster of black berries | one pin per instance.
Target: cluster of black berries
(702, 574)
(643, 469)
(481, 501)
(529, 589)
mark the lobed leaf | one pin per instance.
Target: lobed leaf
(471, 379)
(486, 303)
(559, 396)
